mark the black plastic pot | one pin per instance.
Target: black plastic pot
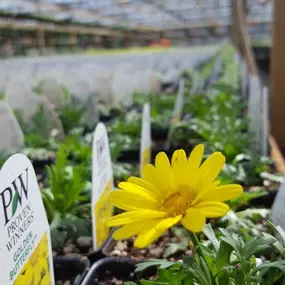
(156, 150)
(41, 164)
(103, 251)
(115, 267)
(132, 155)
(40, 167)
(71, 268)
(262, 55)
(266, 200)
(172, 86)
(159, 134)
(108, 268)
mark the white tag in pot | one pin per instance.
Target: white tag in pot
(254, 109)
(52, 90)
(277, 214)
(145, 148)
(177, 112)
(26, 253)
(103, 182)
(11, 135)
(194, 83)
(244, 80)
(264, 122)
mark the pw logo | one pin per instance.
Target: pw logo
(14, 195)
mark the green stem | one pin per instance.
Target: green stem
(196, 243)
(198, 249)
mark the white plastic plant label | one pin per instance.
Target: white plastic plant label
(277, 213)
(177, 112)
(264, 122)
(244, 79)
(254, 110)
(145, 147)
(26, 253)
(103, 182)
(195, 83)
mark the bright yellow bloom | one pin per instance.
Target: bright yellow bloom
(184, 191)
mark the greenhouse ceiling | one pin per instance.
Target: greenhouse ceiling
(155, 14)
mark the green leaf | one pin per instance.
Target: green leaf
(130, 283)
(15, 203)
(277, 264)
(188, 261)
(245, 198)
(180, 232)
(231, 239)
(210, 257)
(252, 213)
(206, 271)
(56, 221)
(257, 245)
(165, 274)
(272, 177)
(148, 282)
(174, 248)
(256, 279)
(279, 231)
(280, 248)
(199, 274)
(210, 234)
(141, 266)
(223, 255)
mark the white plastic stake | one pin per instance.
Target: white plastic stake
(277, 213)
(25, 244)
(103, 182)
(177, 111)
(195, 83)
(244, 80)
(264, 122)
(178, 107)
(254, 110)
(145, 147)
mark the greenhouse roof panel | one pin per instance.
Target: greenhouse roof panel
(154, 13)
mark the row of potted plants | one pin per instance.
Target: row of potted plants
(241, 247)
(214, 114)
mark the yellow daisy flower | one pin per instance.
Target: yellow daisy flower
(184, 191)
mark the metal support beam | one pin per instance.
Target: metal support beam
(277, 84)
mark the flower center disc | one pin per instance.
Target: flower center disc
(177, 203)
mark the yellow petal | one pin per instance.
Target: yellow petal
(164, 174)
(149, 173)
(210, 169)
(212, 209)
(129, 217)
(152, 232)
(193, 165)
(178, 157)
(161, 160)
(133, 229)
(145, 184)
(195, 158)
(202, 192)
(179, 168)
(130, 201)
(138, 190)
(222, 193)
(194, 220)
